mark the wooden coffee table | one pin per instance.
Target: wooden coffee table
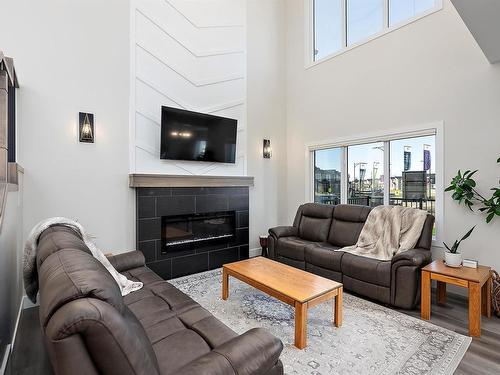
(295, 287)
(476, 280)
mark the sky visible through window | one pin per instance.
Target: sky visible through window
(331, 159)
(327, 27)
(402, 10)
(364, 19)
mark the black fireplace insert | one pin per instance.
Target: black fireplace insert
(181, 232)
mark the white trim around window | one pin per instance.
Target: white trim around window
(309, 30)
(434, 128)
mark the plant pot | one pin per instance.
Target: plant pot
(453, 259)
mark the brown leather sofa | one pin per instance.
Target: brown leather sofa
(320, 229)
(90, 328)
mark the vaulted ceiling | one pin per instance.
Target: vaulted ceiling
(482, 17)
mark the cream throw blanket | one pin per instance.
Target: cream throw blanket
(29, 262)
(389, 230)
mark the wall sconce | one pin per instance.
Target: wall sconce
(267, 151)
(86, 127)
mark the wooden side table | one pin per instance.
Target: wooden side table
(263, 244)
(476, 280)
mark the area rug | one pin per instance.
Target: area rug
(372, 340)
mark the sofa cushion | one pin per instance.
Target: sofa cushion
(324, 255)
(169, 315)
(315, 222)
(178, 349)
(348, 220)
(369, 270)
(73, 274)
(373, 291)
(292, 247)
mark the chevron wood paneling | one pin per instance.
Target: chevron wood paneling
(209, 13)
(187, 54)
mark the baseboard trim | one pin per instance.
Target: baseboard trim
(5, 359)
(252, 253)
(10, 347)
(18, 319)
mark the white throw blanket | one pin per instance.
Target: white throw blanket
(29, 261)
(388, 231)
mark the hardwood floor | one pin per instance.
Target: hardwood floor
(29, 356)
(482, 357)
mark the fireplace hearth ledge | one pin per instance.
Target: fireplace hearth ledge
(163, 180)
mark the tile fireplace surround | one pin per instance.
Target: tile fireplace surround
(155, 202)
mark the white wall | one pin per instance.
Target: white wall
(191, 55)
(81, 56)
(266, 113)
(224, 57)
(73, 56)
(431, 70)
(11, 285)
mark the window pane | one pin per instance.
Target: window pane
(413, 173)
(402, 10)
(364, 19)
(327, 27)
(327, 167)
(366, 179)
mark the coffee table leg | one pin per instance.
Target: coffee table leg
(300, 325)
(337, 320)
(225, 284)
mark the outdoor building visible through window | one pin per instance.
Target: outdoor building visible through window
(409, 176)
(327, 175)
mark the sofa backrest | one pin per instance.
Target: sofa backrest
(425, 240)
(314, 221)
(87, 326)
(341, 225)
(348, 220)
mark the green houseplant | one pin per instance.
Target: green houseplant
(452, 257)
(464, 191)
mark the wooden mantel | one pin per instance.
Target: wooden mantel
(163, 180)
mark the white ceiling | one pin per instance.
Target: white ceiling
(482, 17)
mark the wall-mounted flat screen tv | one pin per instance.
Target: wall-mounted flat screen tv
(187, 135)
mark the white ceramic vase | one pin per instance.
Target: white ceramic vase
(453, 259)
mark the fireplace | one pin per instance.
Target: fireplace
(185, 230)
(182, 232)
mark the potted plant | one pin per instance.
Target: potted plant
(452, 257)
(464, 191)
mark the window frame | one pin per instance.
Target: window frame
(310, 30)
(435, 128)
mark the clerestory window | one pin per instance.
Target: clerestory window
(338, 25)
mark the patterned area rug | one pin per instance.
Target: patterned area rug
(372, 340)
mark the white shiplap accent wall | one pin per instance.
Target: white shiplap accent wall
(187, 54)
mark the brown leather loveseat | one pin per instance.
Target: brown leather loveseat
(320, 229)
(90, 328)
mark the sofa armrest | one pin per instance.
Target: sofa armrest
(285, 231)
(416, 257)
(127, 261)
(253, 353)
